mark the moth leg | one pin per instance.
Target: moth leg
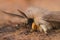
(34, 27)
(46, 27)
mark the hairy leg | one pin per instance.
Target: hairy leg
(42, 24)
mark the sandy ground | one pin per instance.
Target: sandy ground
(22, 33)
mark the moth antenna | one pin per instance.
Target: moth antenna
(22, 13)
(12, 14)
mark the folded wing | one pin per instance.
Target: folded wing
(53, 16)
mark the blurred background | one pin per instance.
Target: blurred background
(12, 5)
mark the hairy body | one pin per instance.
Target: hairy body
(43, 18)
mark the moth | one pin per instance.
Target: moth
(43, 20)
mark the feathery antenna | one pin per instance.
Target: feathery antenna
(12, 14)
(22, 13)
